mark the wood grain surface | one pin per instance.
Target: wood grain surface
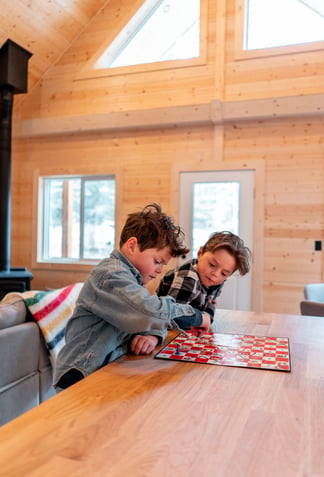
(141, 416)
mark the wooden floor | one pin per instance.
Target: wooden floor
(142, 417)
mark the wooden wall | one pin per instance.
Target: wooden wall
(140, 123)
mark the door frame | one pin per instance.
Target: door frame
(257, 166)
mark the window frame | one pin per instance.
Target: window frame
(89, 71)
(241, 54)
(38, 262)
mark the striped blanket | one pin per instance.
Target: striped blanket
(51, 311)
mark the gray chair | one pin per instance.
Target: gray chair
(313, 305)
(314, 292)
(312, 308)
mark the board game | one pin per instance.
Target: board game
(248, 351)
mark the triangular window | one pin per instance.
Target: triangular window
(161, 30)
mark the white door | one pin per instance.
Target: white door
(215, 201)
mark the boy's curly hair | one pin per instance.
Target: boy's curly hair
(154, 229)
(235, 247)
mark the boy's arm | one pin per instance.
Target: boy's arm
(128, 305)
(199, 320)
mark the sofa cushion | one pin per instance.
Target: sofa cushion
(12, 310)
(19, 352)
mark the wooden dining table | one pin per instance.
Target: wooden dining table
(141, 416)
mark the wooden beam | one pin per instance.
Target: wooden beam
(215, 112)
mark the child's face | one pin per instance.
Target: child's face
(214, 267)
(150, 262)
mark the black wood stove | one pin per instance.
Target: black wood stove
(13, 80)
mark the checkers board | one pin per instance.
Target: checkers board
(248, 351)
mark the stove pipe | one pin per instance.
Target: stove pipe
(13, 80)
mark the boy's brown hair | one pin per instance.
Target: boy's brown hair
(154, 229)
(235, 247)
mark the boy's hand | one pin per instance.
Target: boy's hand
(204, 327)
(143, 344)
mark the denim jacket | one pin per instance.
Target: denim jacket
(113, 305)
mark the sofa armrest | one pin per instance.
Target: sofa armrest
(13, 310)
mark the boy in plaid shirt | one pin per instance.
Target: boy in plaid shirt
(200, 281)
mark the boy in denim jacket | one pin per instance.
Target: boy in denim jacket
(115, 313)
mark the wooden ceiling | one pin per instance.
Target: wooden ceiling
(45, 28)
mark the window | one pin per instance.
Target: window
(215, 206)
(273, 23)
(161, 30)
(77, 218)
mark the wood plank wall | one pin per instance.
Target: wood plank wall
(224, 110)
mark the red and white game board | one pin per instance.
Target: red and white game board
(248, 351)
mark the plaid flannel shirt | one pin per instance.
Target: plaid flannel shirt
(184, 285)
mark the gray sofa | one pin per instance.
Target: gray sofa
(25, 369)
